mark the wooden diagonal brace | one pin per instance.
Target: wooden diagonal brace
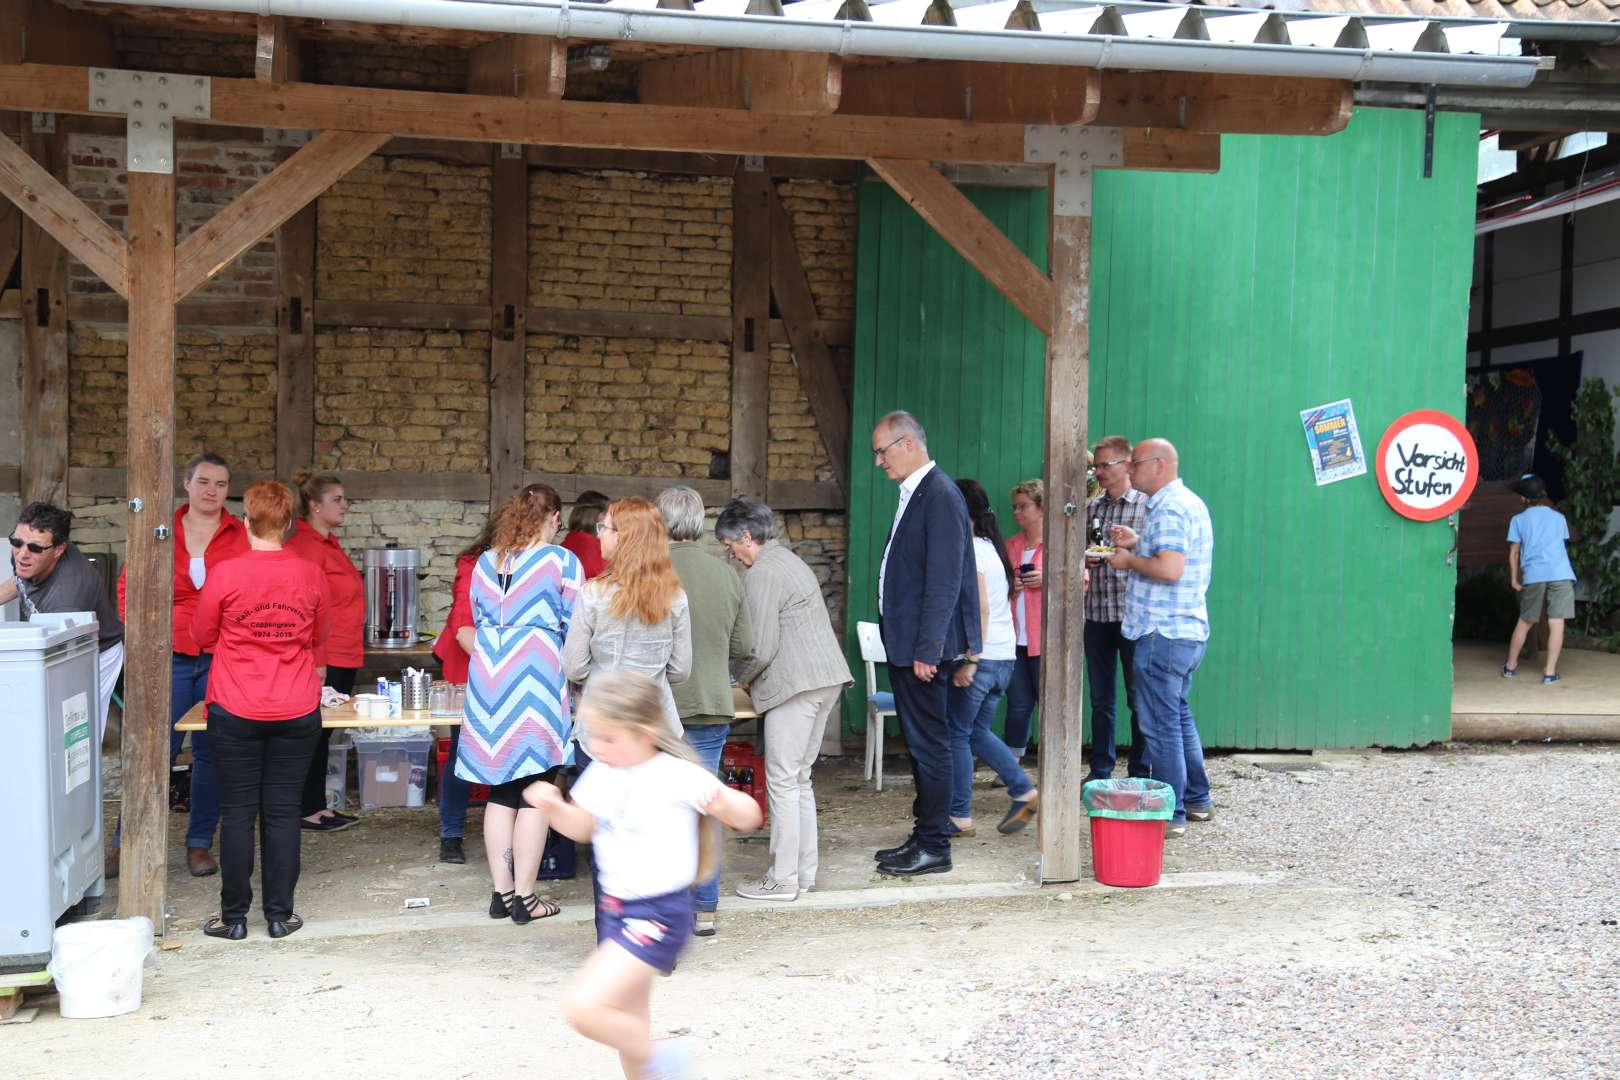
(63, 216)
(967, 230)
(294, 184)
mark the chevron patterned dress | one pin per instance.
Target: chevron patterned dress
(518, 717)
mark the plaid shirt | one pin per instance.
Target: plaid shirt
(1177, 520)
(1105, 592)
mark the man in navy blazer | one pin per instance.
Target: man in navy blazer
(928, 609)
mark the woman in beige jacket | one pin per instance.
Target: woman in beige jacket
(795, 679)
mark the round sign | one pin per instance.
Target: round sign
(1427, 465)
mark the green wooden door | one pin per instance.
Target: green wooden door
(1307, 270)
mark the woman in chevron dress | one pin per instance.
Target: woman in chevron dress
(518, 720)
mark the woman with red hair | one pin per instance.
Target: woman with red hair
(635, 615)
(264, 614)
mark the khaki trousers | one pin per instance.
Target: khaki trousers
(793, 732)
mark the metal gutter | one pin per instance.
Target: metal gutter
(1347, 49)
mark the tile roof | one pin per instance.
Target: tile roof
(1565, 10)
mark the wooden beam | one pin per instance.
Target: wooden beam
(806, 495)
(149, 560)
(787, 83)
(204, 312)
(10, 478)
(509, 295)
(464, 487)
(1062, 757)
(51, 206)
(43, 409)
(276, 55)
(10, 304)
(817, 378)
(569, 485)
(610, 125)
(972, 234)
(527, 66)
(1239, 104)
(10, 239)
(401, 314)
(1164, 150)
(251, 217)
(658, 161)
(295, 342)
(1599, 321)
(986, 93)
(750, 340)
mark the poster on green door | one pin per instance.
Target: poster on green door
(1334, 441)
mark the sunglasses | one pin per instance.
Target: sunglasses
(37, 549)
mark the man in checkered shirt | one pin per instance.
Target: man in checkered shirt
(1118, 504)
(1169, 563)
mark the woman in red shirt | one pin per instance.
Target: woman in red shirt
(265, 614)
(453, 659)
(208, 535)
(322, 507)
(581, 539)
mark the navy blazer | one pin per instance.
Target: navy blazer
(931, 586)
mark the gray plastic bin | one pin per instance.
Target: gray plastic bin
(50, 802)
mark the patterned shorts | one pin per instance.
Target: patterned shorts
(653, 930)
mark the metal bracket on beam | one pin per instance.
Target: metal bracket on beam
(512, 151)
(1073, 151)
(44, 123)
(152, 103)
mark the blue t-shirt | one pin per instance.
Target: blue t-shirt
(1540, 532)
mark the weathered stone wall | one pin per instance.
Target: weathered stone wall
(823, 218)
(388, 67)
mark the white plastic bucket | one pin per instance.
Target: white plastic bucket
(97, 966)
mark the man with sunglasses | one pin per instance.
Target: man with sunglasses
(1169, 563)
(53, 576)
(1106, 646)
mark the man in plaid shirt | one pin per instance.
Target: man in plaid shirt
(1106, 646)
(1169, 563)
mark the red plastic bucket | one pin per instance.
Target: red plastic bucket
(1129, 854)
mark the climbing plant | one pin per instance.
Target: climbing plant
(1591, 491)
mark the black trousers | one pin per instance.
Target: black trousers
(340, 679)
(924, 723)
(261, 766)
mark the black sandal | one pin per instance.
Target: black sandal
(216, 926)
(280, 928)
(528, 908)
(500, 905)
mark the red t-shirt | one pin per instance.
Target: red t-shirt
(452, 657)
(589, 550)
(346, 647)
(263, 614)
(229, 541)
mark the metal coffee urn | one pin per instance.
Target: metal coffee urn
(392, 594)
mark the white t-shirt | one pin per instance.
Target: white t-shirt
(999, 642)
(646, 839)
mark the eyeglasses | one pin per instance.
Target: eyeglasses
(1111, 464)
(602, 527)
(37, 549)
(880, 451)
(1138, 462)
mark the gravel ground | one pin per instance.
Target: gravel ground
(1516, 853)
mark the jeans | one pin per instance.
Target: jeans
(925, 723)
(708, 741)
(1105, 648)
(454, 792)
(972, 709)
(262, 764)
(313, 801)
(1175, 755)
(1023, 694)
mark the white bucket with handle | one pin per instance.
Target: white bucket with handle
(98, 965)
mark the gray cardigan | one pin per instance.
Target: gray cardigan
(795, 649)
(597, 641)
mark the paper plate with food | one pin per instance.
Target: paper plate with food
(1098, 551)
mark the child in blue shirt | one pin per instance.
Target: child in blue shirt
(1538, 566)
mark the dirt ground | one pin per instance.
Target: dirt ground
(863, 978)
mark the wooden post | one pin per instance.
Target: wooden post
(295, 333)
(508, 295)
(44, 405)
(1062, 758)
(150, 559)
(750, 330)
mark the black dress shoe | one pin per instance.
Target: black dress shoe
(905, 850)
(280, 928)
(450, 850)
(919, 862)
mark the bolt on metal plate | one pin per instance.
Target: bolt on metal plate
(153, 102)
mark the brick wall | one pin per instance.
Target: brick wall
(619, 241)
(823, 219)
(406, 229)
(389, 67)
(211, 175)
(402, 401)
(221, 55)
(225, 396)
(796, 451)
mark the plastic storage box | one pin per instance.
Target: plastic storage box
(393, 769)
(337, 775)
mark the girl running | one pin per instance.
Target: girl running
(641, 804)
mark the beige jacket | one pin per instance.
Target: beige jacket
(795, 648)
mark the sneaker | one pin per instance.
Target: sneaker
(1200, 813)
(767, 888)
(1548, 680)
(1508, 673)
(672, 1059)
(1174, 832)
(450, 850)
(703, 924)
